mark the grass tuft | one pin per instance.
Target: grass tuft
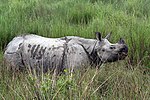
(129, 19)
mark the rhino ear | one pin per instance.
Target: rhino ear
(121, 41)
(98, 36)
(108, 36)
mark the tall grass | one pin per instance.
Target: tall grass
(129, 19)
(112, 81)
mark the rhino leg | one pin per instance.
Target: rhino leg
(12, 55)
(76, 57)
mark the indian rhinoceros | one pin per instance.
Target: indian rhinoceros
(41, 53)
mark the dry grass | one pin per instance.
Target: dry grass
(127, 80)
(111, 81)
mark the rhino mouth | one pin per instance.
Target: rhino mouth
(123, 52)
(122, 55)
(115, 57)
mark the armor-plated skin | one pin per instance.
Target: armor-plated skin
(43, 53)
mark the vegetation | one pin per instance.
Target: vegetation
(128, 79)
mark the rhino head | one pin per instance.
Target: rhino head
(108, 52)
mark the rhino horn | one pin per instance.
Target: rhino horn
(121, 41)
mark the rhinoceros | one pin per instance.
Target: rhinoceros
(41, 53)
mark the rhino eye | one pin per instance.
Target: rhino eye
(112, 47)
(103, 50)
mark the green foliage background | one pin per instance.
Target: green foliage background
(129, 19)
(55, 18)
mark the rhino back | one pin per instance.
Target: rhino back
(45, 53)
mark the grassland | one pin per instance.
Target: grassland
(127, 80)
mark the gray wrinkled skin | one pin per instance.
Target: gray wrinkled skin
(43, 53)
